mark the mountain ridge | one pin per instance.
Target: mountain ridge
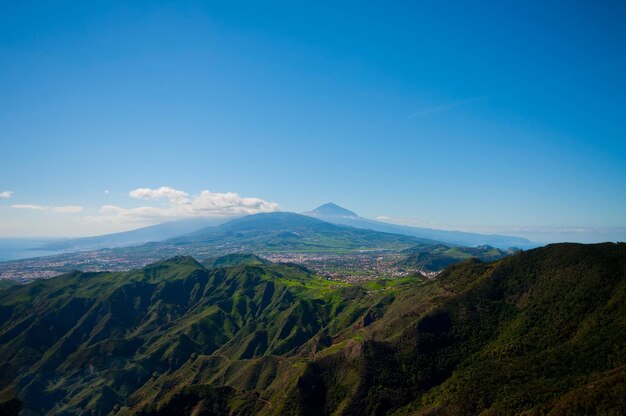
(269, 339)
(288, 231)
(450, 237)
(151, 233)
(329, 212)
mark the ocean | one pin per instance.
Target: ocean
(22, 248)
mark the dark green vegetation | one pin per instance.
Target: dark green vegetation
(539, 332)
(4, 283)
(235, 259)
(434, 258)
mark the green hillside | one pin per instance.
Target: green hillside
(535, 333)
(235, 259)
(99, 340)
(539, 332)
(434, 258)
(284, 231)
(4, 283)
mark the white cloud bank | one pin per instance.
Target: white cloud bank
(175, 196)
(67, 209)
(6, 194)
(180, 205)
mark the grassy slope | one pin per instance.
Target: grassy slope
(4, 283)
(434, 258)
(281, 231)
(525, 334)
(96, 340)
(234, 260)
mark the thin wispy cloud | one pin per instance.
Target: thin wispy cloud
(540, 234)
(66, 209)
(6, 194)
(415, 222)
(180, 205)
(563, 77)
(450, 106)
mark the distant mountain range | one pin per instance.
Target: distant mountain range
(335, 214)
(285, 231)
(539, 332)
(268, 233)
(330, 213)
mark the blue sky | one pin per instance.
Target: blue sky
(470, 115)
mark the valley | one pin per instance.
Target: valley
(285, 314)
(359, 265)
(335, 251)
